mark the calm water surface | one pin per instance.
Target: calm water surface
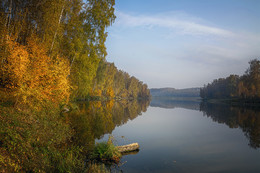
(188, 136)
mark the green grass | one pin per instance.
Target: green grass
(36, 142)
(106, 152)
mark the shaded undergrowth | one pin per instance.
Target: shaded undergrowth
(37, 142)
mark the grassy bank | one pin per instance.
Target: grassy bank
(36, 142)
(51, 141)
(106, 152)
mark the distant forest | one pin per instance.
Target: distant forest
(172, 92)
(245, 87)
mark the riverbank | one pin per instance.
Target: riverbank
(54, 141)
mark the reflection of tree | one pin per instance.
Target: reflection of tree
(248, 119)
(94, 119)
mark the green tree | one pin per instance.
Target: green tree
(253, 74)
(244, 87)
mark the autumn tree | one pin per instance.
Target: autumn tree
(85, 40)
(31, 76)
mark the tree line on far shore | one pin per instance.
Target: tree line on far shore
(245, 87)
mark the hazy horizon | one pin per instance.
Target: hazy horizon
(184, 44)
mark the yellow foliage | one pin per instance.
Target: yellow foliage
(110, 92)
(124, 93)
(33, 77)
(97, 104)
(96, 92)
(17, 61)
(110, 104)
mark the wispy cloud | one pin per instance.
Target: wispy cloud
(175, 21)
(159, 47)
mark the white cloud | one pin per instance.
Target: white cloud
(183, 24)
(179, 50)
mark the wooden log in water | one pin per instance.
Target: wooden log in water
(130, 152)
(128, 148)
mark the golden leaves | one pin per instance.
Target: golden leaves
(33, 77)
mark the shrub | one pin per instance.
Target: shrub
(31, 77)
(106, 152)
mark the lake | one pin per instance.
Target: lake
(177, 135)
(187, 136)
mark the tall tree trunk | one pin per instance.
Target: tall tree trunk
(55, 34)
(71, 65)
(8, 17)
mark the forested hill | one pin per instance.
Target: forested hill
(172, 92)
(243, 88)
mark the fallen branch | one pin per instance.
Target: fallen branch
(128, 148)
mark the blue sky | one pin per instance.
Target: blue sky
(184, 43)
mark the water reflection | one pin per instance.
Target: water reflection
(94, 119)
(175, 102)
(245, 118)
(180, 140)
